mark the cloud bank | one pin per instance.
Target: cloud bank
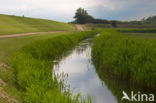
(63, 10)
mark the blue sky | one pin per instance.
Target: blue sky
(63, 10)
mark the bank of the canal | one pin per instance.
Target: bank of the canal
(32, 69)
(126, 64)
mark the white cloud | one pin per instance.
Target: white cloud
(63, 10)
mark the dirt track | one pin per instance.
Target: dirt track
(26, 34)
(78, 27)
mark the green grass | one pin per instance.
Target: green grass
(33, 66)
(136, 30)
(146, 35)
(127, 57)
(15, 24)
(8, 46)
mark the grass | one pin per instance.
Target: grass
(33, 65)
(127, 57)
(136, 30)
(7, 47)
(146, 35)
(15, 24)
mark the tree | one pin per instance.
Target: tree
(82, 16)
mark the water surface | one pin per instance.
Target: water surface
(82, 76)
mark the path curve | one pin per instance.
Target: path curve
(79, 27)
(26, 34)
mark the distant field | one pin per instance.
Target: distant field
(147, 35)
(16, 24)
(89, 26)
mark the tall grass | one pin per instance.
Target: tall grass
(130, 58)
(32, 68)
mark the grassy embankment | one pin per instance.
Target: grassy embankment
(33, 69)
(7, 47)
(127, 57)
(15, 24)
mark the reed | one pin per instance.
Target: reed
(33, 69)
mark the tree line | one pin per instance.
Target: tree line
(82, 17)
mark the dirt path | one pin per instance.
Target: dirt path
(26, 34)
(79, 27)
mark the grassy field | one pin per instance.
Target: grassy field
(145, 35)
(128, 57)
(7, 47)
(15, 24)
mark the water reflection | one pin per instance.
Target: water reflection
(82, 76)
(85, 79)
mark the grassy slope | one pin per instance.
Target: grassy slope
(7, 47)
(16, 24)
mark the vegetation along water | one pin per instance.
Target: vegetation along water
(129, 58)
(32, 68)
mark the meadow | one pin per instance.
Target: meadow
(127, 57)
(15, 24)
(32, 68)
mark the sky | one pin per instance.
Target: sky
(63, 10)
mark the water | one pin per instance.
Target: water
(82, 76)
